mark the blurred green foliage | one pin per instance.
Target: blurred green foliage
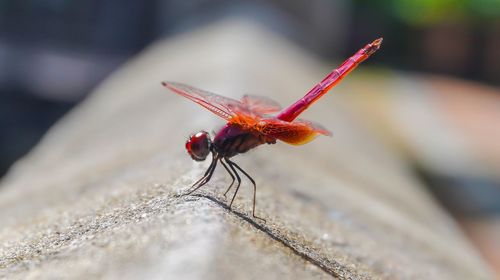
(429, 12)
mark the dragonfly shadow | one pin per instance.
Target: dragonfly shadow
(298, 249)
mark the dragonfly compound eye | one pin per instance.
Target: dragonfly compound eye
(198, 145)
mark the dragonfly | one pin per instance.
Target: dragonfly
(256, 120)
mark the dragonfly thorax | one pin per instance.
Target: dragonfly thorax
(199, 145)
(234, 139)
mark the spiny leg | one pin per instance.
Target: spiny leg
(237, 178)
(203, 177)
(230, 173)
(205, 180)
(254, 188)
(206, 177)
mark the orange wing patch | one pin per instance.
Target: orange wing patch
(298, 132)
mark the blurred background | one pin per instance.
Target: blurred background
(446, 119)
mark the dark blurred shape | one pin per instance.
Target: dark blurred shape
(52, 53)
(19, 130)
(465, 196)
(438, 56)
(62, 49)
(491, 54)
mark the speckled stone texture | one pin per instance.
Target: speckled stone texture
(99, 196)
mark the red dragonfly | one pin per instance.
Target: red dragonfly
(250, 124)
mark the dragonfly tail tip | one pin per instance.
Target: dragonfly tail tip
(373, 46)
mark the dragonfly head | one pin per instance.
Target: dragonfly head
(199, 145)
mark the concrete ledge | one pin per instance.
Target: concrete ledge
(99, 196)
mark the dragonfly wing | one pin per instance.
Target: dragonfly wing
(298, 132)
(260, 104)
(315, 126)
(223, 107)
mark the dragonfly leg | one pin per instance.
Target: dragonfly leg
(254, 188)
(230, 163)
(201, 179)
(232, 177)
(206, 177)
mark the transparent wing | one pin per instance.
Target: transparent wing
(223, 107)
(298, 132)
(260, 104)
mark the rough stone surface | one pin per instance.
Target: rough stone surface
(99, 196)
